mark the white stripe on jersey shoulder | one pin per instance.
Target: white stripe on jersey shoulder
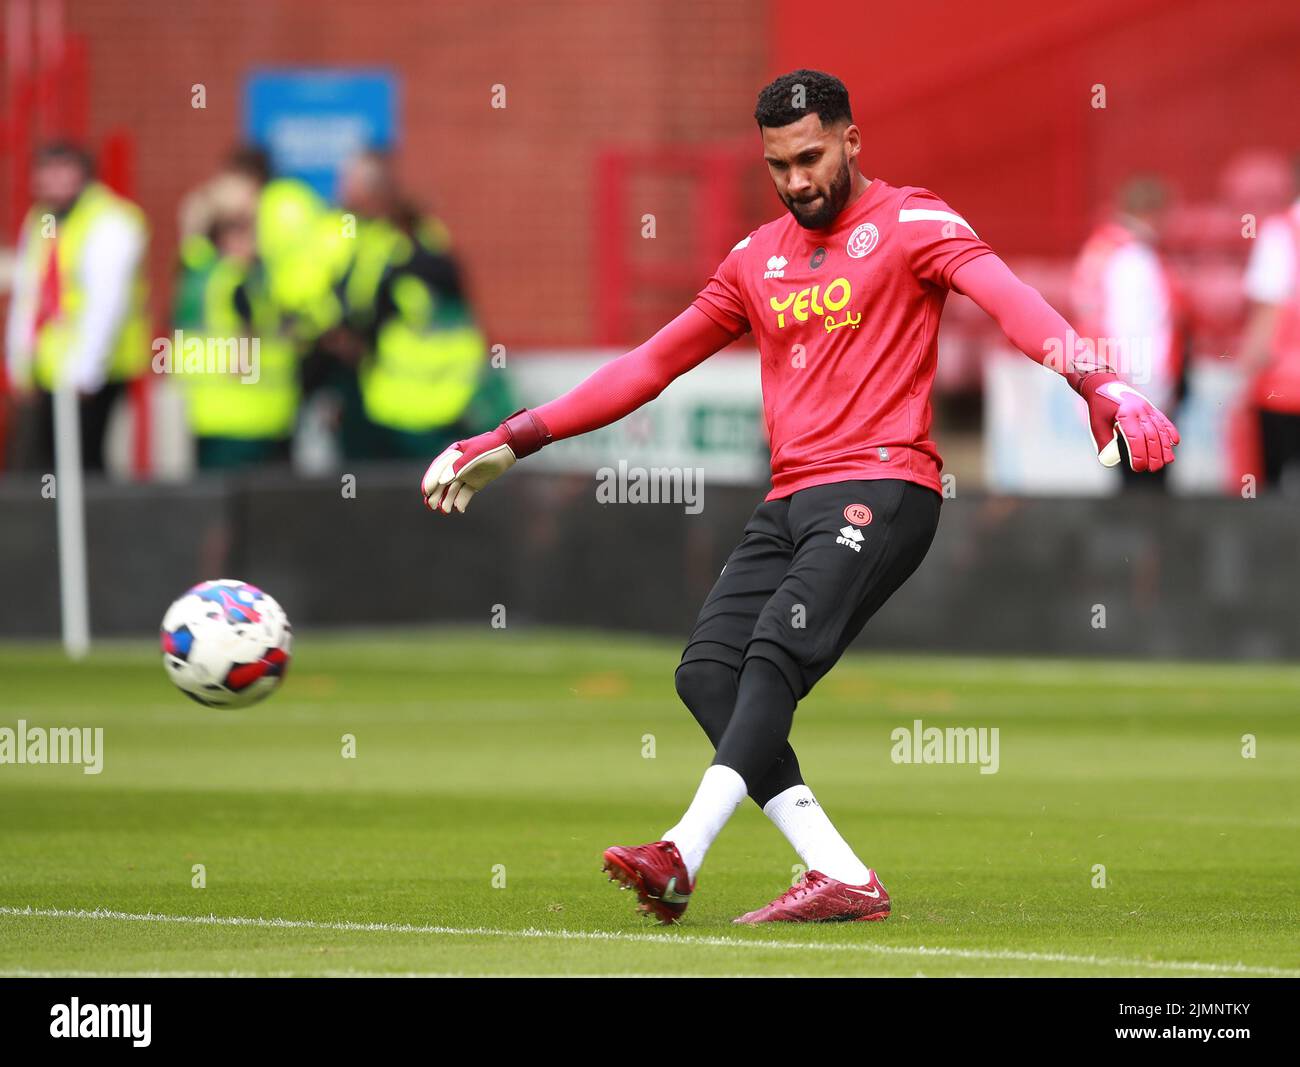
(915, 214)
(739, 245)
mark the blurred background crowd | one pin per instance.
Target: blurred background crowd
(279, 296)
(280, 291)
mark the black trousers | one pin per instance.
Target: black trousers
(95, 410)
(807, 576)
(808, 573)
(1280, 438)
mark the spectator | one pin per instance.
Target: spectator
(78, 314)
(230, 195)
(242, 396)
(1128, 303)
(412, 357)
(1271, 344)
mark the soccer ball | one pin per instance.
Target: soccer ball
(226, 644)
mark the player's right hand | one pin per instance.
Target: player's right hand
(464, 468)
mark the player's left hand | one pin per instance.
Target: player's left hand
(1115, 408)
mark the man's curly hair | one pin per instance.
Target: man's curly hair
(802, 92)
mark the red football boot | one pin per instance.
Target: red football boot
(818, 899)
(658, 875)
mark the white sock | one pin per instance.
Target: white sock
(720, 793)
(798, 815)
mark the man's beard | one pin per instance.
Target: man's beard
(831, 205)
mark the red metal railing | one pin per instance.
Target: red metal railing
(46, 96)
(623, 269)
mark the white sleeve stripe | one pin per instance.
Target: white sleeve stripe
(912, 214)
(740, 244)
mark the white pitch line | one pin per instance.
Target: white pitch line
(709, 941)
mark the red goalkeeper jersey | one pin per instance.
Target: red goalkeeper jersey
(846, 320)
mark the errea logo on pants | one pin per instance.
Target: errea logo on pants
(851, 536)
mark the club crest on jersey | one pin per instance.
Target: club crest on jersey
(818, 258)
(776, 267)
(851, 536)
(817, 301)
(862, 240)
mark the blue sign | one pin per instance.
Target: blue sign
(310, 121)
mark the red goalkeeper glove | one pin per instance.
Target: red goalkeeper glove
(464, 468)
(1115, 408)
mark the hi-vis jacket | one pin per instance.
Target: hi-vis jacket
(426, 354)
(80, 295)
(242, 379)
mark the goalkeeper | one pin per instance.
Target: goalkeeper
(843, 294)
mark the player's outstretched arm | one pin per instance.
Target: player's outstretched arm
(1030, 323)
(613, 391)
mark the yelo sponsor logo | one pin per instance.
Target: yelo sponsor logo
(813, 300)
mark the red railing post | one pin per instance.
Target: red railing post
(613, 287)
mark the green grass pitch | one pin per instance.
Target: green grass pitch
(493, 767)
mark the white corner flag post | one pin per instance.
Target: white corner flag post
(70, 507)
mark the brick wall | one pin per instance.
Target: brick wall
(515, 185)
(991, 104)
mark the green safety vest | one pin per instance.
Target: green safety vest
(198, 257)
(130, 352)
(379, 246)
(303, 247)
(424, 370)
(221, 403)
